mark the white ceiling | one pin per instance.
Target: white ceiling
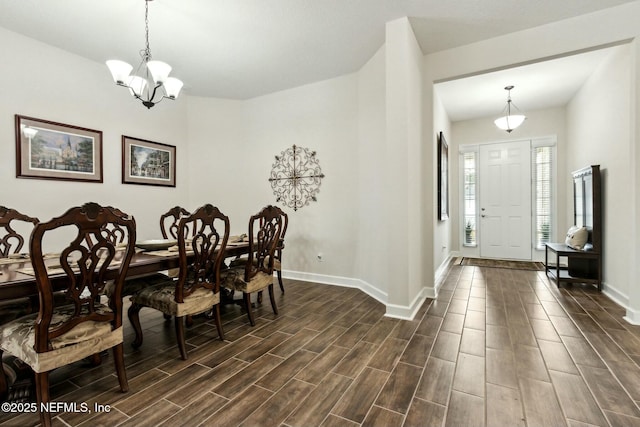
(240, 49)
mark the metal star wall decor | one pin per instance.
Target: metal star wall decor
(295, 177)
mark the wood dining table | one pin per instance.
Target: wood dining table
(16, 282)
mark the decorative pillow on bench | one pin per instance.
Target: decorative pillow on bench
(577, 237)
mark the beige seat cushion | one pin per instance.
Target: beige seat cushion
(87, 338)
(233, 278)
(162, 297)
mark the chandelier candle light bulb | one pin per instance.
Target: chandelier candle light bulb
(139, 83)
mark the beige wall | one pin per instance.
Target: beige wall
(599, 132)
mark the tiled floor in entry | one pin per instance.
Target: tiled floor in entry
(498, 347)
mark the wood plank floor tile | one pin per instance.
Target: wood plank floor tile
(423, 413)
(247, 376)
(465, 410)
(497, 337)
(199, 411)
(536, 369)
(436, 382)
(606, 347)
(236, 411)
(353, 363)
(317, 405)
(541, 407)
(380, 331)
(333, 421)
(153, 415)
(281, 374)
(529, 363)
(353, 335)
(278, 407)
(504, 407)
(137, 401)
(582, 352)
(263, 347)
(564, 326)
(398, 391)
(388, 354)
(475, 320)
(608, 392)
(380, 417)
(470, 374)
(576, 399)
(324, 339)
(357, 400)
(621, 420)
(473, 342)
(453, 323)
(501, 368)
(557, 357)
(319, 367)
(446, 346)
(430, 325)
(544, 330)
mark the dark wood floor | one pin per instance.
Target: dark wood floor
(498, 347)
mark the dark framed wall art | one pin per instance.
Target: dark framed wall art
(50, 150)
(443, 178)
(148, 163)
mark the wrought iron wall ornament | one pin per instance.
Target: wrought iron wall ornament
(295, 177)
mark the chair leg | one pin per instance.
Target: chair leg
(273, 300)
(189, 320)
(259, 297)
(118, 360)
(180, 337)
(134, 318)
(279, 272)
(42, 396)
(4, 388)
(247, 306)
(218, 319)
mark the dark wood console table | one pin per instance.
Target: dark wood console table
(561, 273)
(582, 266)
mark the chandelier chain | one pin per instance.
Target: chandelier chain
(146, 53)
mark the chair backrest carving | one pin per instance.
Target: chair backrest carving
(210, 233)
(169, 222)
(91, 258)
(9, 237)
(265, 229)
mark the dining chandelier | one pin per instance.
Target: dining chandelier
(151, 82)
(509, 121)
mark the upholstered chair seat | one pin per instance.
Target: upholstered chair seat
(18, 338)
(197, 287)
(254, 273)
(71, 323)
(163, 298)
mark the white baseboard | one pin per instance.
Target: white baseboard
(395, 311)
(633, 316)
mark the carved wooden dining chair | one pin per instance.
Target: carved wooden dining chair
(12, 224)
(277, 262)
(169, 222)
(62, 334)
(9, 237)
(197, 289)
(255, 272)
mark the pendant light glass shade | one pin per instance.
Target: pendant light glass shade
(510, 121)
(150, 83)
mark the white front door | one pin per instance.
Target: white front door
(505, 200)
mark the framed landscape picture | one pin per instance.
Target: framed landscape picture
(148, 163)
(50, 150)
(443, 178)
